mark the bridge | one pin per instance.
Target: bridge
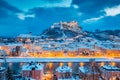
(30, 59)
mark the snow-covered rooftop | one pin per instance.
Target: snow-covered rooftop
(64, 69)
(109, 45)
(32, 66)
(82, 69)
(88, 70)
(110, 68)
(3, 53)
(14, 44)
(2, 68)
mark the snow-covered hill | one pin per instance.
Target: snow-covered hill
(63, 30)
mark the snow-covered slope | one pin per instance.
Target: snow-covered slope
(62, 30)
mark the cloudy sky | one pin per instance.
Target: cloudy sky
(23, 16)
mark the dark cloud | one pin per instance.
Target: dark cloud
(45, 17)
(7, 10)
(5, 5)
(10, 24)
(106, 23)
(111, 22)
(3, 13)
(93, 7)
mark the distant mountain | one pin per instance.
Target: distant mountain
(62, 30)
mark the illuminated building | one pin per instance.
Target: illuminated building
(32, 70)
(64, 72)
(88, 73)
(110, 72)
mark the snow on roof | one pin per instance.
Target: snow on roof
(3, 53)
(2, 69)
(88, 70)
(108, 45)
(14, 44)
(64, 69)
(110, 68)
(32, 66)
(82, 69)
(23, 49)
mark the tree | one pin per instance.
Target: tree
(9, 74)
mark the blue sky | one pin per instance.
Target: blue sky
(23, 16)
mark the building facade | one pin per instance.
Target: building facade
(110, 72)
(32, 70)
(64, 72)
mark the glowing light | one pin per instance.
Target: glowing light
(69, 64)
(102, 64)
(81, 64)
(50, 65)
(113, 64)
(61, 64)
